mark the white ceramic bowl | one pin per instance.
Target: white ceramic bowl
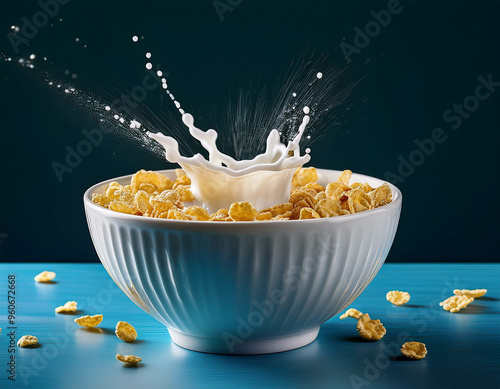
(243, 287)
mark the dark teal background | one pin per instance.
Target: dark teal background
(427, 59)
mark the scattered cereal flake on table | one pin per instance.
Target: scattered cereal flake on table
(129, 359)
(456, 303)
(351, 312)
(125, 331)
(474, 293)
(370, 329)
(397, 297)
(27, 341)
(70, 306)
(45, 276)
(414, 350)
(88, 321)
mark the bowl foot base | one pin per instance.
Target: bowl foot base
(239, 346)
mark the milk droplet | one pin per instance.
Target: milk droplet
(306, 110)
(74, 75)
(116, 117)
(294, 94)
(135, 38)
(148, 55)
(135, 124)
(164, 80)
(308, 150)
(177, 104)
(159, 73)
(164, 86)
(308, 136)
(107, 107)
(51, 83)
(122, 120)
(66, 90)
(32, 56)
(149, 65)
(77, 39)
(319, 75)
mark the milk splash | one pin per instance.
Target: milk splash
(221, 180)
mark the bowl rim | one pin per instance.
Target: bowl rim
(392, 206)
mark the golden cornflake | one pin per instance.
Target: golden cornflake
(182, 178)
(125, 331)
(222, 215)
(177, 215)
(336, 190)
(304, 176)
(381, 196)
(359, 201)
(345, 177)
(279, 209)
(70, 306)
(89, 321)
(315, 186)
(150, 182)
(27, 341)
(351, 312)
(141, 201)
(100, 199)
(370, 329)
(185, 193)
(308, 213)
(328, 208)
(45, 276)
(414, 350)
(264, 216)
(397, 297)
(285, 216)
(456, 303)
(476, 293)
(197, 213)
(129, 359)
(242, 211)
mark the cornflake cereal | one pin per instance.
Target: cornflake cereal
(45, 276)
(154, 195)
(476, 293)
(125, 331)
(414, 350)
(88, 321)
(242, 211)
(370, 329)
(351, 312)
(129, 359)
(27, 341)
(70, 306)
(456, 303)
(397, 297)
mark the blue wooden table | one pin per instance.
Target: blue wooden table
(463, 348)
